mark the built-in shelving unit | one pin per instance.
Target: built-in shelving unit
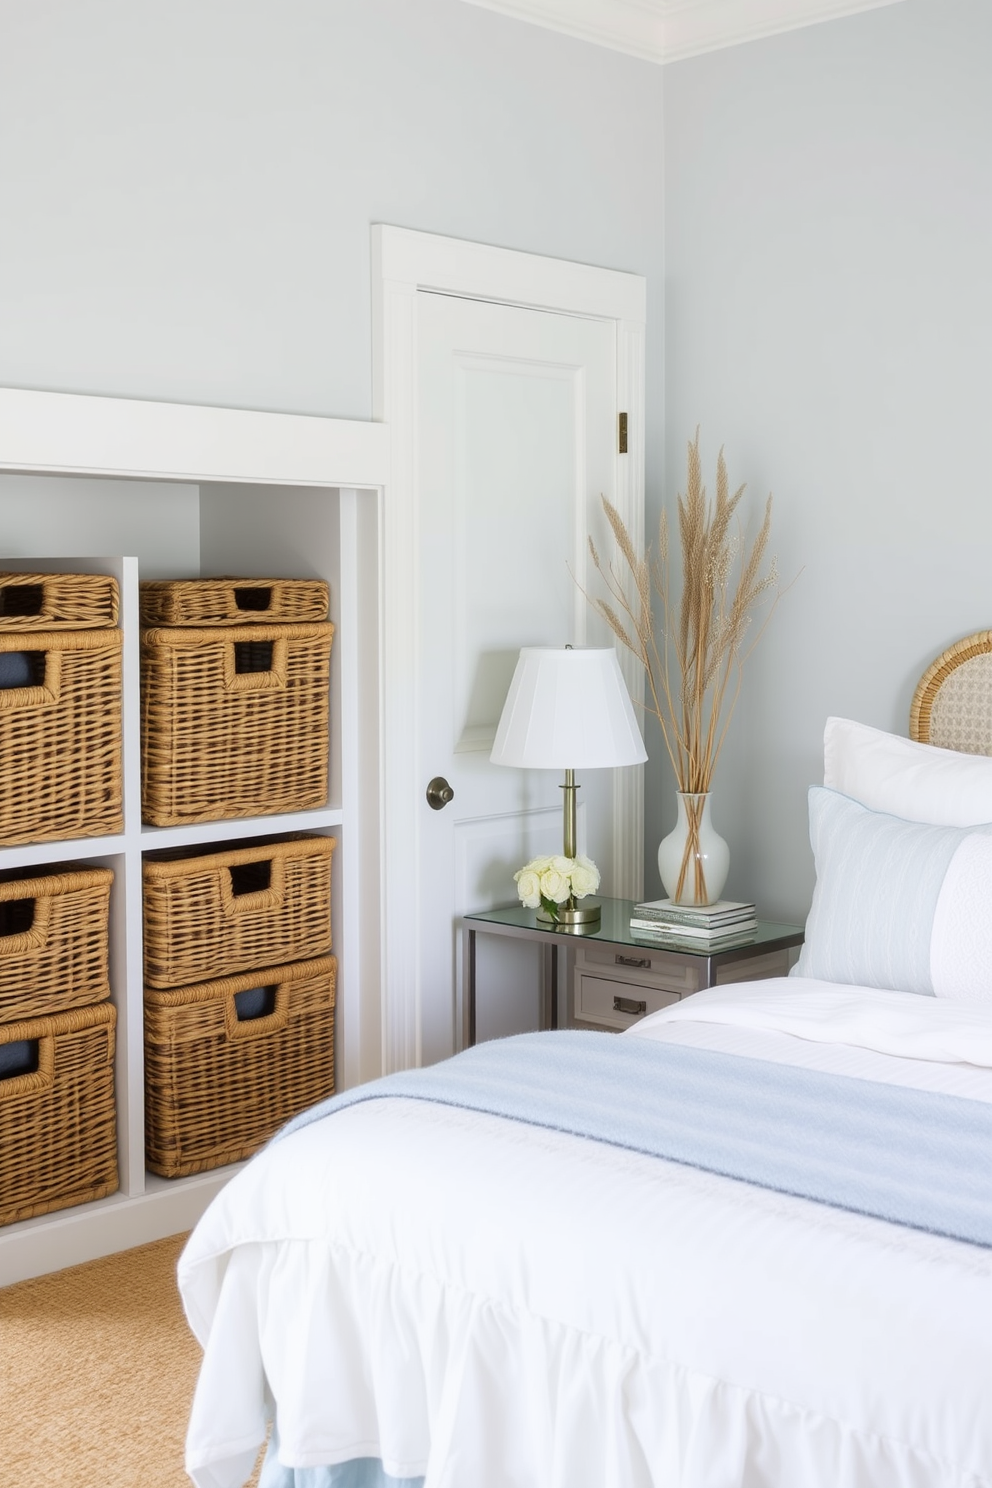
(173, 492)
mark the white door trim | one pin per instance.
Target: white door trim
(404, 262)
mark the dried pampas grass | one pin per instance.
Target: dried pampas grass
(693, 661)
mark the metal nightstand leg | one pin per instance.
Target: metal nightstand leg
(553, 1010)
(468, 990)
(549, 987)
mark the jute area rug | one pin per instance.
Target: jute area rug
(97, 1370)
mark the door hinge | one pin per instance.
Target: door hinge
(622, 433)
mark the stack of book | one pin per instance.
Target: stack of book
(717, 927)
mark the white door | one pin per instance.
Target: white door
(516, 430)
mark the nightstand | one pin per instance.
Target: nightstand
(617, 976)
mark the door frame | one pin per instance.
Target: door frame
(403, 262)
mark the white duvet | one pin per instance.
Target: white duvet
(493, 1305)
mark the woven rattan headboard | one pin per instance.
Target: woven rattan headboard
(952, 705)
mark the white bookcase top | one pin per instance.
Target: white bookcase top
(125, 437)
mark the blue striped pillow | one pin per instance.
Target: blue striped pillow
(898, 905)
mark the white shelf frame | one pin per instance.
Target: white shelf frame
(232, 456)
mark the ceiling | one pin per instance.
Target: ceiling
(668, 30)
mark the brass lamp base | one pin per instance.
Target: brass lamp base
(568, 919)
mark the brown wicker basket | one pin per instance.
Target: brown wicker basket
(230, 601)
(47, 601)
(234, 722)
(217, 1087)
(58, 1131)
(60, 738)
(53, 940)
(210, 914)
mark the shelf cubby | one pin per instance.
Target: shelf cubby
(179, 529)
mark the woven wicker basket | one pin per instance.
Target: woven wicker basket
(46, 601)
(234, 722)
(53, 941)
(216, 1088)
(210, 914)
(60, 738)
(58, 1137)
(234, 602)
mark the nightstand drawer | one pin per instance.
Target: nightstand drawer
(616, 1004)
(662, 970)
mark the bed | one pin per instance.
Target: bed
(745, 1244)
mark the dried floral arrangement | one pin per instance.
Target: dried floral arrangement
(694, 656)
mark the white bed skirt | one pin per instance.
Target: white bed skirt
(489, 1304)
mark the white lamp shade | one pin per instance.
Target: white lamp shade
(567, 709)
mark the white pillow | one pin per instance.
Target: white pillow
(917, 782)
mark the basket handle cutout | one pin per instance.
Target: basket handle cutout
(268, 1012)
(18, 1058)
(21, 669)
(29, 679)
(256, 666)
(254, 1002)
(252, 656)
(27, 1066)
(247, 887)
(24, 925)
(21, 600)
(250, 878)
(253, 599)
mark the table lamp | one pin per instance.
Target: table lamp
(568, 709)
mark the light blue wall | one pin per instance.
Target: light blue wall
(187, 186)
(70, 517)
(828, 200)
(187, 190)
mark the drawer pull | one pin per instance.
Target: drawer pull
(634, 961)
(628, 1005)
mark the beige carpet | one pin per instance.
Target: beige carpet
(97, 1369)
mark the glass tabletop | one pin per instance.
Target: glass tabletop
(613, 927)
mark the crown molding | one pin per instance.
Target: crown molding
(621, 25)
(670, 30)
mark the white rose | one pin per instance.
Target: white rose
(555, 886)
(529, 887)
(585, 878)
(539, 865)
(562, 865)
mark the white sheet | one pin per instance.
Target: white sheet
(894, 1037)
(491, 1304)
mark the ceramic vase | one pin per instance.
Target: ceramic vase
(694, 860)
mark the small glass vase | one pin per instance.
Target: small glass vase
(694, 860)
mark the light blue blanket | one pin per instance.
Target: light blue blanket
(360, 1472)
(913, 1157)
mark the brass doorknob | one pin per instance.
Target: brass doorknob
(439, 793)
